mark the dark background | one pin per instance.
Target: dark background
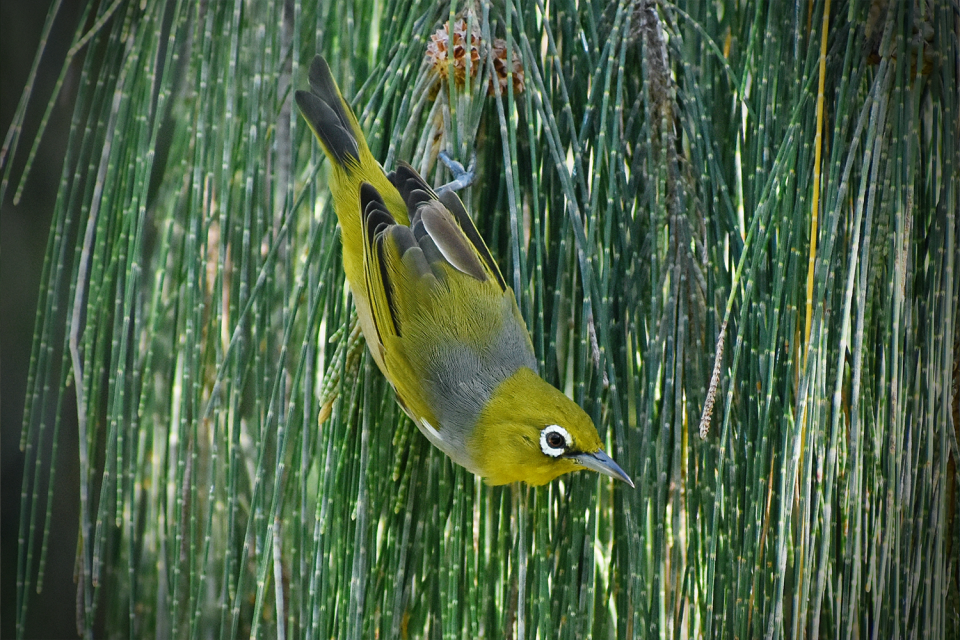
(23, 238)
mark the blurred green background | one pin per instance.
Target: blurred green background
(663, 154)
(23, 240)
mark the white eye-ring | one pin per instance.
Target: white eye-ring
(554, 440)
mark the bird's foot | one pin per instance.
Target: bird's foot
(462, 178)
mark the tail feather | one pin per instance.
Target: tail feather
(328, 115)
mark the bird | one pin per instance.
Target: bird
(439, 319)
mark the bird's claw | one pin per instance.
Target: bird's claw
(462, 178)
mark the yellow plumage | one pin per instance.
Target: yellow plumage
(440, 322)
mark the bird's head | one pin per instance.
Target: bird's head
(530, 432)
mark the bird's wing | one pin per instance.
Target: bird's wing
(400, 273)
(403, 265)
(446, 222)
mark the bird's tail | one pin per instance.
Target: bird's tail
(330, 117)
(338, 131)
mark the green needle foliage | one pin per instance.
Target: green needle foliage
(767, 191)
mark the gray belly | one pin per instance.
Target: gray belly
(461, 381)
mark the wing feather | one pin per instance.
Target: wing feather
(452, 202)
(376, 223)
(450, 239)
(442, 227)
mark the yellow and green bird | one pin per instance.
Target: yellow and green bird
(440, 321)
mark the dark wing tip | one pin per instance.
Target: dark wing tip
(447, 235)
(413, 189)
(378, 224)
(374, 210)
(369, 193)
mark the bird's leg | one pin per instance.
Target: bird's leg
(462, 178)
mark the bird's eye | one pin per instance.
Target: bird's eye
(554, 440)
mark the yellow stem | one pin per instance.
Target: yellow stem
(815, 207)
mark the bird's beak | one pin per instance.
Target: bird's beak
(600, 462)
